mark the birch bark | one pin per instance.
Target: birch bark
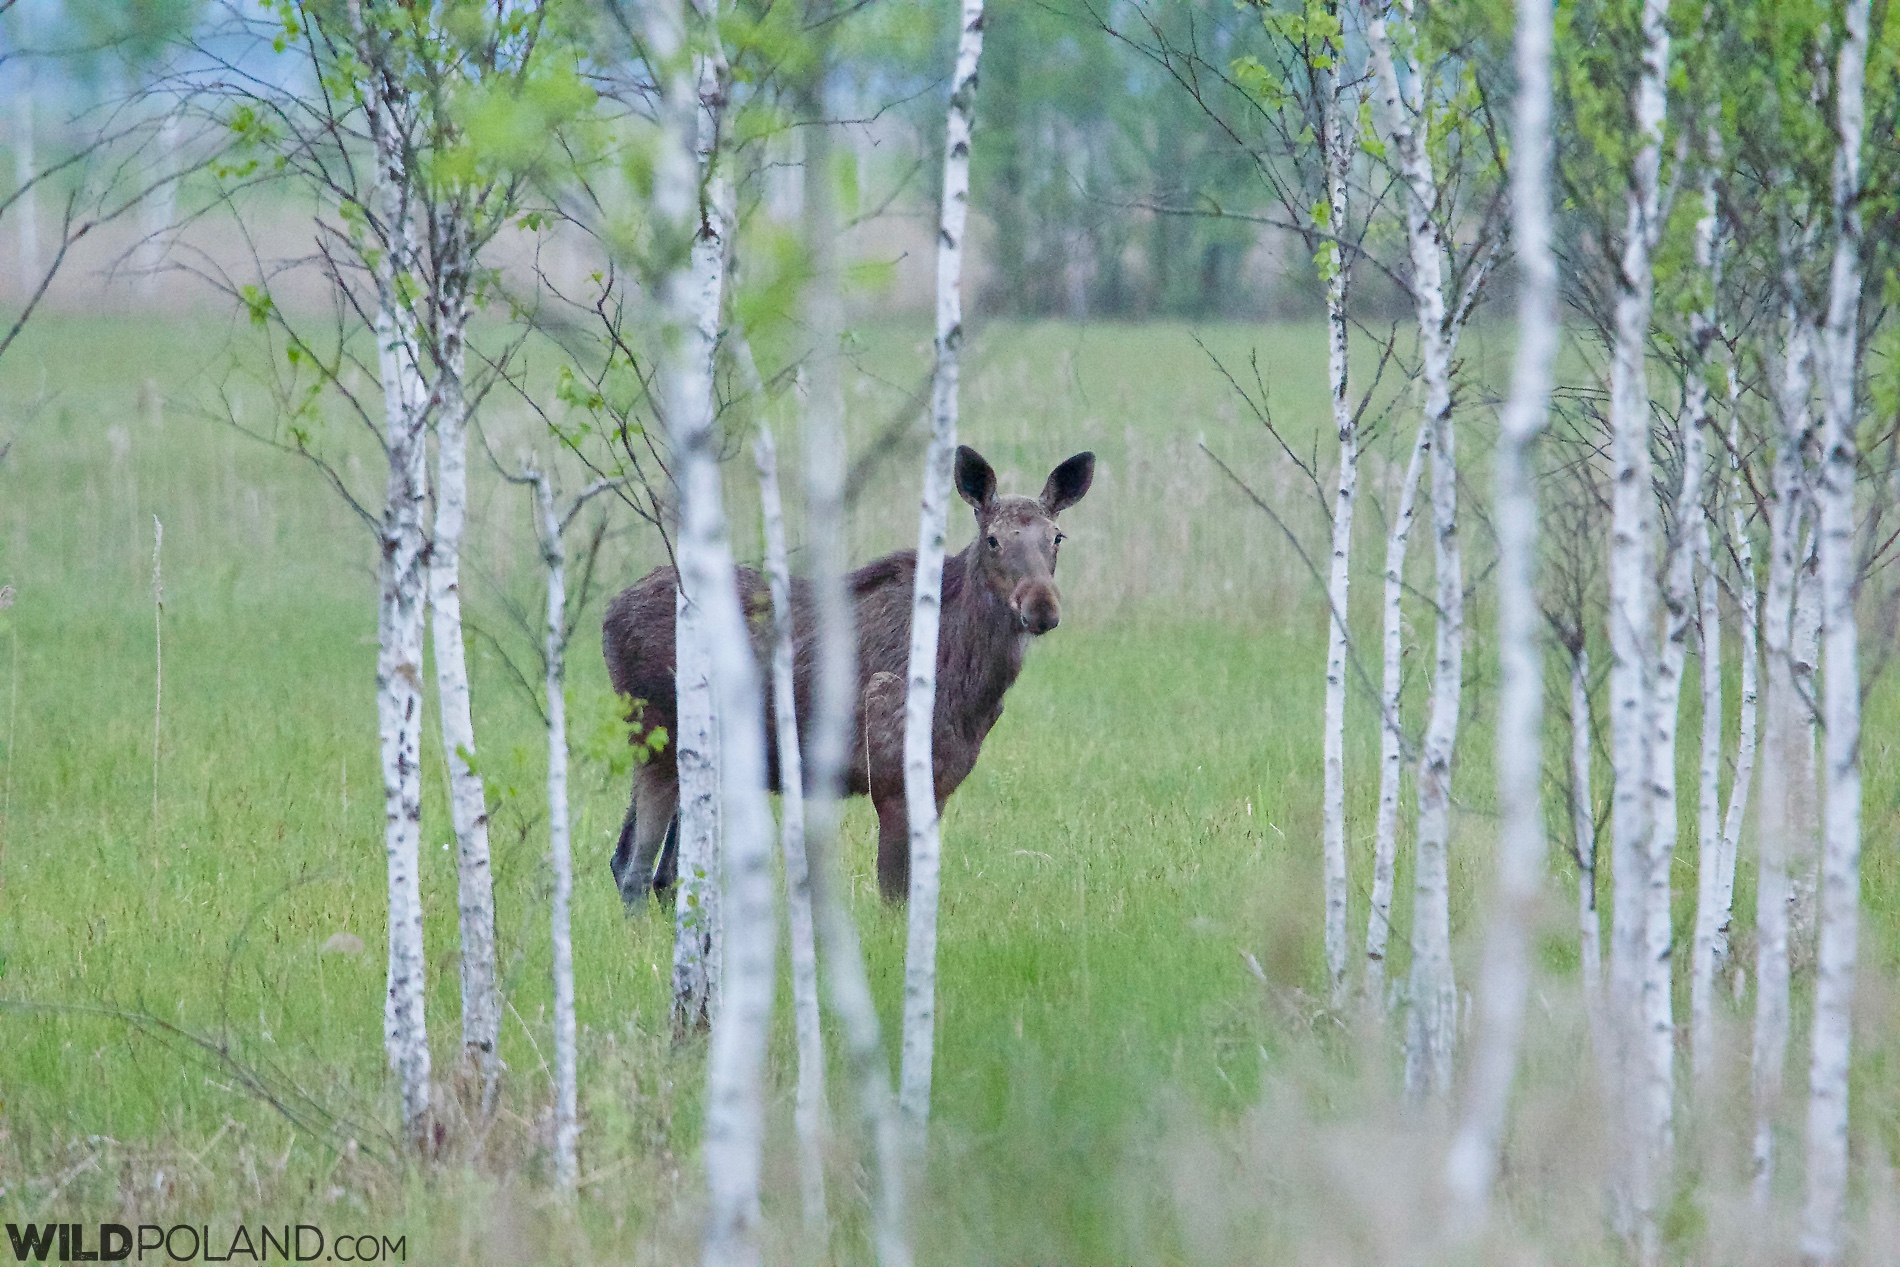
(1774, 824)
(835, 684)
(735, 1108)
(560, 853)
(1583, 825)
(1391, 731)
(1804, 843)
(1748, 592)
(1504, 971)
(1336, 143)
(402, 577)
(1822, 1233)
(808, 1112)
(1632, 637)
(468, 806)
(1432, 1022)
(920, 699)
(699, 935)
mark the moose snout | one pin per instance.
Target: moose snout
(1038, 607)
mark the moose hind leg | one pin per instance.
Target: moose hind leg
(648, 827)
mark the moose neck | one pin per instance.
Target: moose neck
(980, 649)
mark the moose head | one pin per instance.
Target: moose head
(1017, 538)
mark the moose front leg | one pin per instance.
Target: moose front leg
(893, 847)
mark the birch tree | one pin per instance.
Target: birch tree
(1775, 824)
(808, 1112)
(687, 236)
(835, 678)
(699, 924)
(1823, 1216)
(1504, 973)
(452, 276)
(1633, 647)
(1337, 143)
(920, 699)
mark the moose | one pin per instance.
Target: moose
(997, 594)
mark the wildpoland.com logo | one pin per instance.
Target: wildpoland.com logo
(186, 1243)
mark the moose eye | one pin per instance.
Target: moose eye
(993, 544)
(1060, 538)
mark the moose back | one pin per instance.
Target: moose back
(997, 594)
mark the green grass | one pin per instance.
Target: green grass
(1113, 1083)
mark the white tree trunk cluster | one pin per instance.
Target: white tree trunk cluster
(920, 696)
(1432, 1019)
(402, 577)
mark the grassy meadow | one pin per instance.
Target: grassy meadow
(185, 1037)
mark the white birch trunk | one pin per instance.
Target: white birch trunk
(27, 209)
(834, 688)
(1748, 593)
(1709, 838)
(1431, 1028)
(1702, 336)
(1583, 825)
(1337, 145)
(560, 855)
(699, 938)
(1632, 636)
(1391, 731)
(1775, 823)
(1825, 1212)
(920, 698)
(1504, 972)
(1804, 845)
(808, 1111)
(468, 806)
(735, 1103)
(402, 577)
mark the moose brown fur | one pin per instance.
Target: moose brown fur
(997, 594)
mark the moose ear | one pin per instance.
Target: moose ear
(1068, 483)
(975, 480)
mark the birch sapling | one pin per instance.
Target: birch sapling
(1825, 1211)
(1391, 731)
(468, 807)
(1632, 637)
(560, 853)
(808, 1110)
(835, 681)
(1504, 971)
(1804, 842)
(402, 576)
(1748, 594)
(1583, 828)
(735, 1108)
(1336, 144)
(1432, 1022)
(1775, 822)
(699, 924)
(920, 698)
